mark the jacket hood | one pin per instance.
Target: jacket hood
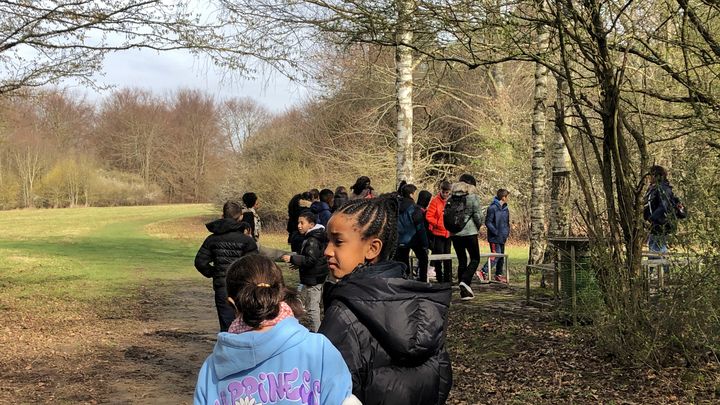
(318, 232)
(235, 353)
(223, 225)
(499, 203)
(405, 203)
(463, 188)
(318, 206)
(407, 317)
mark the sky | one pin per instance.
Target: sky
(165, 72)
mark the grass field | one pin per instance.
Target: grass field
(81, 254)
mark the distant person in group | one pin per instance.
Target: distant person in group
(312, 265)
(321, 207)
(267, 357)
(249, 214)
(497, 222)
(463, 218)
(361, 188)
(298, 204)
(390, 330)
(228, 242)
(440, 241)
(411, 232)
(314, 195)
(662, 209)
(340, 197)
(423, 199)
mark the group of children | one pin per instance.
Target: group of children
(382, 337)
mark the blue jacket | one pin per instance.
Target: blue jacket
(283, 365)
(322, 210)
(497, 221)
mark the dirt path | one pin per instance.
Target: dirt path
(146, 349)
(158, 360)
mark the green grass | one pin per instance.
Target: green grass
(81, 254)
(84, 253)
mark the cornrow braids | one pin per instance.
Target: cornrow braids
(377, 218)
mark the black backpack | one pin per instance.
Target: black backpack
(454, 215)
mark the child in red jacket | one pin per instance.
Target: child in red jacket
(440, 242)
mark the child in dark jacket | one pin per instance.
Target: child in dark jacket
(497, 221)
(312, 265)
(321, 208)
(411, 231)
(249, 214)
(389, 330)
(228, 242)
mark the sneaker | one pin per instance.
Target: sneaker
(501, 279)
(481, 275)
(466, 293)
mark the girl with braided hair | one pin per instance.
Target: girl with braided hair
(267, 356)
(389, 330)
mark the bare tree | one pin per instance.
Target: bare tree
(239, 119)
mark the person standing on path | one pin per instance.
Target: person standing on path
(497, 222)
(312, 265)
(440, 241)
(227, 243)
(267, 357)
(463, 218)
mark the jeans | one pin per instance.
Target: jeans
(658, 244)
(496, 261)
(464, 246)
(225, 311)
(311, 295)
(443, 268)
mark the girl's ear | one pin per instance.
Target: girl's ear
(372, 252)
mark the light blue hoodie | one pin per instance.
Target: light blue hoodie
(283, 365)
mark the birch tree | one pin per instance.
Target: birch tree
(537, 199)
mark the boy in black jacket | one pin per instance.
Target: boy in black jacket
(312, 264)
(227, 243)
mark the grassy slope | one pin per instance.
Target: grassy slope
(80, 254)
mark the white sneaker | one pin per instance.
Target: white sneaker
(466, 293)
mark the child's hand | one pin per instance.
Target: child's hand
(286, 258)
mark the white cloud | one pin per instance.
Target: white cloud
(165, 72)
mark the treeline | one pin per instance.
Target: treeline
(133, 148)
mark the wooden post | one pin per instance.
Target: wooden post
(527, 284)
(574, 284)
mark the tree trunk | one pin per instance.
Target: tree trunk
(537, 198)
(560, 189)
(403, 88)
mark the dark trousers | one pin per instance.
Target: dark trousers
(496, 261)
(402, 254)
(464, 246)
(225, 311)
(443, 268)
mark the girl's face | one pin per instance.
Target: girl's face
(346, 247)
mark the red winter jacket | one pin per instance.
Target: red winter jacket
(434, 217)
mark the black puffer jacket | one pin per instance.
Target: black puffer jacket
(224, 246)
(311, 261)
(391, 333)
